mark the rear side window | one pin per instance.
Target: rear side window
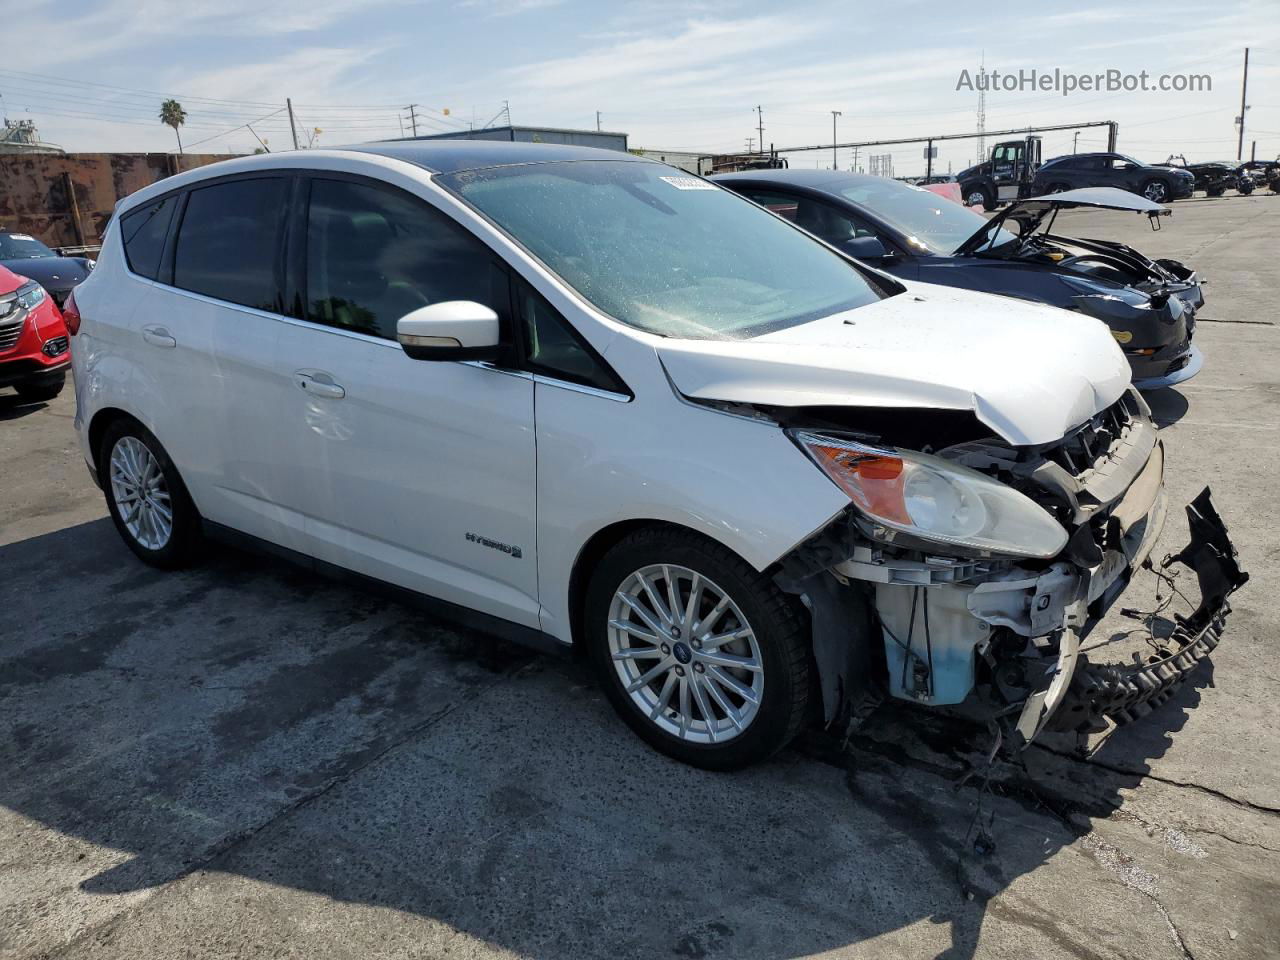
(375, 254)
(228, 246)
(143, 231)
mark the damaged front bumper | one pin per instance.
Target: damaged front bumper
(1070, 694)
(999, 639)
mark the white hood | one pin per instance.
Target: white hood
(1030, 372)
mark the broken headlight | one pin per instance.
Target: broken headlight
(936, 500)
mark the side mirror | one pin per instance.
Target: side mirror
(864, 248)
(452, 330)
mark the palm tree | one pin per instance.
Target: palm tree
(172, 114)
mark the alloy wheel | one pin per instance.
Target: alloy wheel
(140, 493)
(1156, 192)
(686, 655)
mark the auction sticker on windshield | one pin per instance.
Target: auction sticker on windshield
(689, 183)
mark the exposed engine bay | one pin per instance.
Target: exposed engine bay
(1109, 261)
(999, 638)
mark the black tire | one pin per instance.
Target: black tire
(1244, 187)
(1215, 191)
(776, 619)
(41, 392)
(1156, 190)
(185, 535)
(982, 194)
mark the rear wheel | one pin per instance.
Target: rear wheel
(41, 392)
(146, 497)
(703, 656)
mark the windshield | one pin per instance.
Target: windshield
(19, 246)
(663, 251)
(930, 222)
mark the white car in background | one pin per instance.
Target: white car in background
(581, 398)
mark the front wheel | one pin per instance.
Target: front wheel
(148, 502)
(703, 656)
(979, 196)
(1157, 191)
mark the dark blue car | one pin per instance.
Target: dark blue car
(28, 257)
(1150, 305)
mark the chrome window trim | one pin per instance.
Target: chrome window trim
(580, 388)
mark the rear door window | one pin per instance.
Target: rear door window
(229, 243)
(143, 232)
(377, 253)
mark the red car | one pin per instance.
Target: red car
(34, 350)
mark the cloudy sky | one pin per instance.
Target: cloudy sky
(681, 75)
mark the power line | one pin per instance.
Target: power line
(234, 129)
(123, 111)
(135, 91)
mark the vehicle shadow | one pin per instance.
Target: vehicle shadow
(1168, 405)
(13, 406)
(246, 719)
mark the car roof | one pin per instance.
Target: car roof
(815, 179)
(437, 156)
(450, 156)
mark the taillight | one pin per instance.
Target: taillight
(71, 314)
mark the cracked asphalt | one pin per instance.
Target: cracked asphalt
(244, 760)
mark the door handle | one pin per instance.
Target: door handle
(318, 383)
(158, 337)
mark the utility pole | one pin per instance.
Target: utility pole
(1075, 142)
(751, 144)
(413, 117)
(292, 126)
(597, 120)
(1244, 89)
(835, 163)
(855, 159)
(760, 128)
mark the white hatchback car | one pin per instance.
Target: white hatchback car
(582, 398)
